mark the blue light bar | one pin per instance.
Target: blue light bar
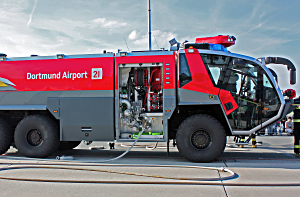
(217, 47)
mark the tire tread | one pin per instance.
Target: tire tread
(188, 154)
(50, 125)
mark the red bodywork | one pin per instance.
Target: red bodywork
(202, 82)
(155, 82)
(224, 40)
(19, 72)
(85, 74)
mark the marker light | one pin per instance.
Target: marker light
(123, 54)
(60, 56)
(191, 50)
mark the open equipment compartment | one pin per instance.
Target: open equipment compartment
(141, 95)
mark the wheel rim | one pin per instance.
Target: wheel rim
(201, 139)
(34, 137)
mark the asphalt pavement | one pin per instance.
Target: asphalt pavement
(271, 169)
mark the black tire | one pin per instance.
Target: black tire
(37, 136)
(201, 138)
(6, 135)
(68, 145)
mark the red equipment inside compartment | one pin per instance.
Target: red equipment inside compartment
(156, 80)
(224, 40)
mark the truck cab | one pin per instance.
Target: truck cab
(244, 88)
(238, 91)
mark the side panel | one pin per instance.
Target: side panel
(40, 97)
(189, 97)
(88, 119)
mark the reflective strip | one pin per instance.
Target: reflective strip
(298, 106)
(242, 140)
(245, 100)
(253, 139)
(296, 146)
(296, 120)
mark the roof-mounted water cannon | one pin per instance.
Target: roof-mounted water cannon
(224, 40)
(284, 61)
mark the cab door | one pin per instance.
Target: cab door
(245, 82)
(255, 95)
(243, 79)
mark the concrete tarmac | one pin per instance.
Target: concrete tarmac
(273, 162)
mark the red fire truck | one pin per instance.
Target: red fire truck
(195, 93)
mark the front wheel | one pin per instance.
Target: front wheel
(37, 136)
(201, 138)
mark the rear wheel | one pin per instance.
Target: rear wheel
(37, 136)
(6, 135)
(201, 138)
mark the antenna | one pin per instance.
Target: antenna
(126, 43)
(149, 28)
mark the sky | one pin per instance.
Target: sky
(262, 27)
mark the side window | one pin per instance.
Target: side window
(184, 71)
(216, 66)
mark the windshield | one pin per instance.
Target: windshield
(250, 87)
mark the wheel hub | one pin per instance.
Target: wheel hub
(201, 139)
(34, 137)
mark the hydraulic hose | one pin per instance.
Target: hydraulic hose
(179, 181)
(148, 146)
(58, 166)
(71, 165)
(122, 155)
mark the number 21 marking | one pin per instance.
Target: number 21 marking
(96, 73)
